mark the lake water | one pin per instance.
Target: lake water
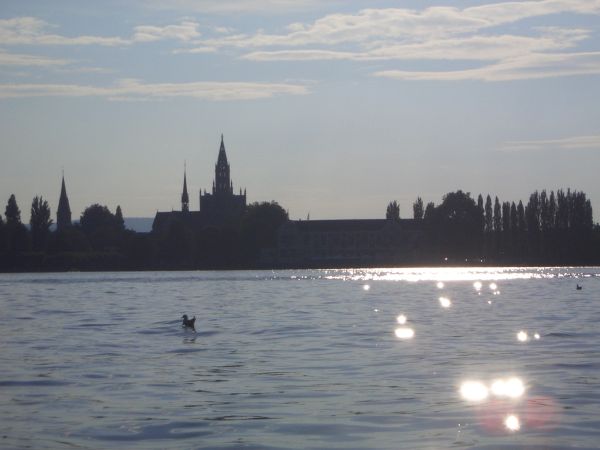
(302, 359)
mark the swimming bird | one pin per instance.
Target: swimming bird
(188, 323)
(579, 288)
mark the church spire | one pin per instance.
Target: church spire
(185, 200)
(222, 181)
(63, 213)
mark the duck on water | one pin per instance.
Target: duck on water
(188, 323)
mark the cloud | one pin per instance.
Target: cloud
(185, 31)
(373, 26)
(33, 31)
(534, 66)
(436, 33)
(569, 143)
(129, 89)
(16, 59)
(236, 6)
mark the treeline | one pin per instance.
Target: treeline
(555, 228)
(100, 241)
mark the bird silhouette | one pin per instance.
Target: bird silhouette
(188, 323)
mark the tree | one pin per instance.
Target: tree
(101, 227)
(418, 211)
(16, 233)
(259, 227)
(119, 221)
(458, 225)
(489, 218)
(429, 210)
(505, 217)
(393, 211)
(40, 222)
(497, 216)
(12, 211)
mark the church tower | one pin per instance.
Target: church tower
(185, 200)
(222, 183)
(63, 213)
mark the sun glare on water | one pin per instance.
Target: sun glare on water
(404, 333)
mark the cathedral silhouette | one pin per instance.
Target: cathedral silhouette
(217, 208)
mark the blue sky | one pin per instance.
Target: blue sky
(332, 108)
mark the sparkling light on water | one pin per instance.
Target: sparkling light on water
(522, 336)
(366, 287)
(404, 333)
(445, 302)
(440, 285)
(474, 391)
(511, 388)
(512, 423)
(401, 319)
(493, 287)
(477, 285)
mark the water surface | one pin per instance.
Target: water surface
(301, 359)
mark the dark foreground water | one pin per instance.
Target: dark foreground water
(302, 360)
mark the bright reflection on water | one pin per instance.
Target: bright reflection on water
(445, 302)
(522, 336)
(301, 359)
(440, 285)
(511, 388)
(474, 391)
(404, 333)
(477, 285)
(401, 319)
(512, 422)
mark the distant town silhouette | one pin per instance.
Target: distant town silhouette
(227, 233)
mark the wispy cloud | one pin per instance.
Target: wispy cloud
(18, 59)
(591, 142)
(434, 33)
(236, 6)
(185, 31)
(130, 89)
(529, 67)
(33, 31)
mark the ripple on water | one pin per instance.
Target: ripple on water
(167, 431)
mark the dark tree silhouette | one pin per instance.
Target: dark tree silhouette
(429, 209)
(101, 228)
(393, 211)
(119, 221)
(12, 211)
(3, 236)
(497, 216)
(40, 222)
(259, 227)
(489, 217)
(458, 225)
(418, 210)
(18, 240)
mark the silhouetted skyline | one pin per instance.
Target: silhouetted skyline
(331, 108)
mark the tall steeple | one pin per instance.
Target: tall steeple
(185, 200)
(63, 213)
(223, 183)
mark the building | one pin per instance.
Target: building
(63, 213)
(338, 243)
(217, 208)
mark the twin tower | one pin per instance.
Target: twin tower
(219, 207)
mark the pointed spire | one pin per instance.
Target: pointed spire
(222, 159)
(63, 212)
(185, 200)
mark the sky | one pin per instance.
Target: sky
(331, 108)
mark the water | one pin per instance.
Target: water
(300, 360)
